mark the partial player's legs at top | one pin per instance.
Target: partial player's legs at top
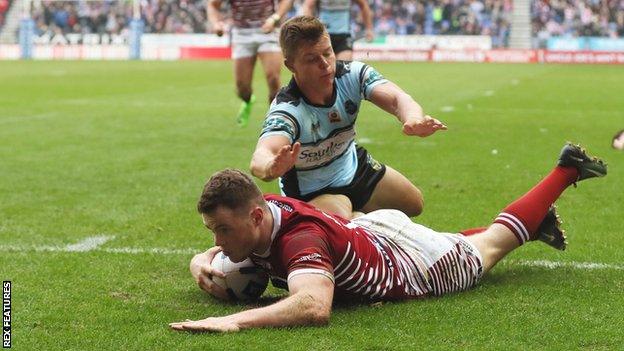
(395, 191)
(335, 204)
(243, 72)
(521, 220)
(243, 75)
(272, 65)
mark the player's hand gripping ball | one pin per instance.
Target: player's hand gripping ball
(244, 281)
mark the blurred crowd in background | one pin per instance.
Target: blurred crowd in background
(576, 18)
(449, 17)
(4, 7)
(113, 17)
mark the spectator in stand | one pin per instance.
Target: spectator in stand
(448, 17)
(385, 24)
(4, 7)
(254, 35)
(336, 16)
(593, 18)
(113, 17)
(604, 18)
(487, 17)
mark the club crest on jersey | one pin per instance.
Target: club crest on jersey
(334, 116)
(350, 107)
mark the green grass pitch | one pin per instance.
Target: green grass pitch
(122, 149)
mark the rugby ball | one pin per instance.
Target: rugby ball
(244, 281)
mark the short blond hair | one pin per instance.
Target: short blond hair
(300, 30)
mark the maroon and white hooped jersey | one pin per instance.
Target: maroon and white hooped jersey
(251, 13)
(382, 255)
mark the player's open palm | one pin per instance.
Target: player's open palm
(284, 160)
(211, 324)
(424, 127)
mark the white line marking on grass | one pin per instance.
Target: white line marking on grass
(587, 266)
(489, 93)
(116, 250)
(447, 108)
(576, 265)
(364, 140)
(89, 244)
(20, 119)
(154, 250)
(548, 111)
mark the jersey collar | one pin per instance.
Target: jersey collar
(277, 223)
(295, 88)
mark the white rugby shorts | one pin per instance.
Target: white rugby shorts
(248, 42)
(451, 262)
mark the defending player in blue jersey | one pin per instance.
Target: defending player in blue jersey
(308, 137)
(336, 16)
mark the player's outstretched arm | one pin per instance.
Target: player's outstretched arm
(273, 157)
(367, 16)
(394, 100)
(308, 8)
(309, 303)
(214, 17)
(274, 20)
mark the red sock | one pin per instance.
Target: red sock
(524, 215)
(472, 231)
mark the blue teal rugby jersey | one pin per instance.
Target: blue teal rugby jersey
(336, 15)
(326, 133)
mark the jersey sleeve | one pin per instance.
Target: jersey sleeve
(280, 122)
(369, 78)
(306, 252)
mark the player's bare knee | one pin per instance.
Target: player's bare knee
(416, 205)
(340, 211)
(339, 205)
